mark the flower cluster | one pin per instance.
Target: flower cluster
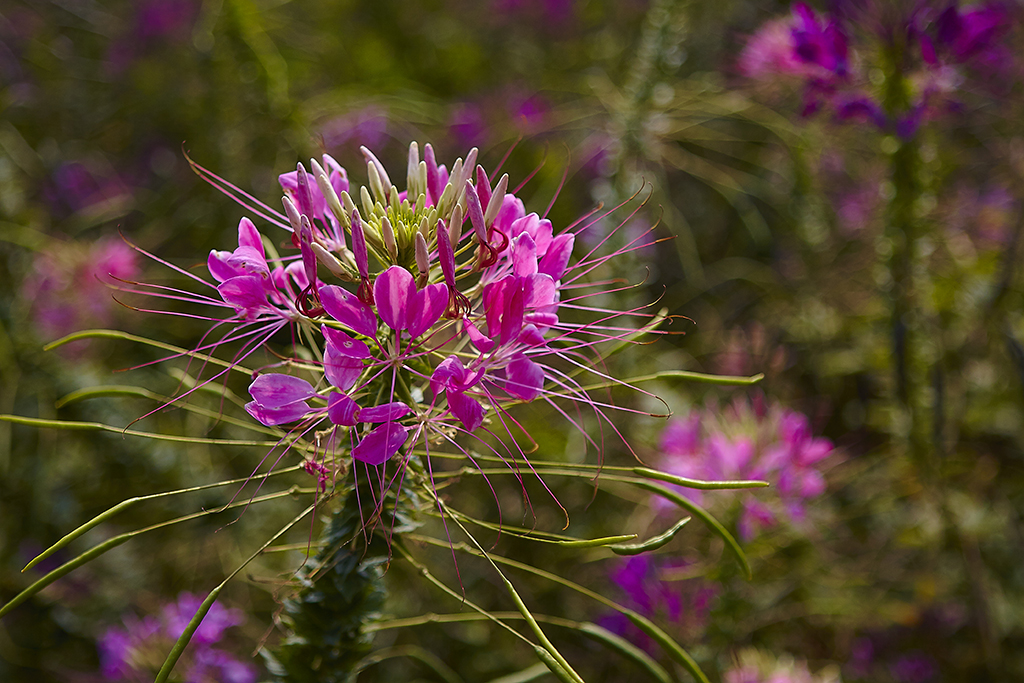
(427, 311)
(815, 50)
(135, 652)
(748, 440)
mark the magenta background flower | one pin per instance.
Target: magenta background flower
(69, 288)
(127, 653)
(744, 442)
(368, 126)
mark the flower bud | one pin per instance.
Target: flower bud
(387, 233)
(497, 198)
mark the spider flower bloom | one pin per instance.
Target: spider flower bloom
(745, 441)
(429, 310)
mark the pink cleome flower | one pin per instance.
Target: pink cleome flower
(430, 311)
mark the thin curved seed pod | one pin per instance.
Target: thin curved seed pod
(651, 543)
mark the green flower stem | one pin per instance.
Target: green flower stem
(902, 233)
(596, 632)
(100, 427)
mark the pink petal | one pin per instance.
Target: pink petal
(430, 305)
(395, 295)
(468, 410)
(556, 259)
(524, 378)
(449, 374)
(218, 267)
(342, 410)
(342, 371)
(247, 260)
(524, 256)
(389, 412)
(249, 236)
(494, 303)
(245, 293)
(481, 342)
(296, 270)
(348, 310)
(381, 444)
(512, 319)
(277, 390)
(271, 417)
(531, 336)
(343, 344)
(511, 210)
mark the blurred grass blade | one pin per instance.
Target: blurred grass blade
(651, 543)
(104, 391)
(698, 483)
(703, 514)
(193, 624)
(429, 659)
(627, 649)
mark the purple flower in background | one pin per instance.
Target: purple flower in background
(368, 127)
(68, 288)
(177, 614)
(131, 653)
(160, 18)
(914, 667)
(820, 43)
(659, 589)
(819, 51)
(747, 442)
(467, 125)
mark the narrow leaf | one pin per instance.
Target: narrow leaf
(525, 676)
(117, 334)
(124, 504)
